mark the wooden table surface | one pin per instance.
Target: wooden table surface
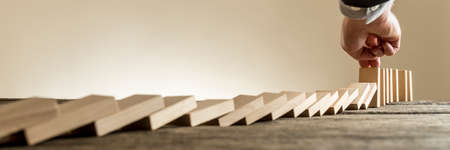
(412, 125)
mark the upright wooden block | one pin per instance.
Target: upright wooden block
(391, 85)
(352, 95)
(402, 85)
(386, 83)
(395, 85)
(410, 86)
(243, 106)
(74, 114)
(206, 111)
(334, 96)
(272, 101)
(132, 109)
(383, 88)
(373, 75)
(364, 89)
(370, 95)
(308, 100)
(314, 109)
(294, 99)
(338, 104)
(18, 115)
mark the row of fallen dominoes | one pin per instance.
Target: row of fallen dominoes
(40, 119)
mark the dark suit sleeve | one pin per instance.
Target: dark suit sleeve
(363, 3)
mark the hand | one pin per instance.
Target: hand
(367, 43)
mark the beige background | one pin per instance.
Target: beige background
(209, 48)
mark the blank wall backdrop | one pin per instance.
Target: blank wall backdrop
(208, 48)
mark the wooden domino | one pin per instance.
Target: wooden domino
(370, 95)
(18, 115)
(207, 110)
(175, 107)
(386, 86)
(308, 100)
(334, 96)
(338, 104)
(391, 85)
(402, 85)
(272, 101)
(410, 86)
(74, 114)
(364, 89)
(395, 85)
(373, 75)
(132, 109)
(352, 95)
(294, 99)
(314, 109)
(243, 106)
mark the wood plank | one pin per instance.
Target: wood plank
(74, 114)
(373, 75)
(18, 115)
(410, 86)
(370, 95)
(338, 104)
(352, 95)
(364, 89)
(294, 99)
(132, 109)
(307, 102)
(334, 96)
(385, 128)
(395, 85)
(272, 101)
(206, 111)
(243, 105)
(315, 108)
(402, 85)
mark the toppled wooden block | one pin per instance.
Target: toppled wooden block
(272, 101)
(338, 105)
(294, 99)
(206, 111)
(353, 94)
(370, 95)
(4, 101)
(175, 107)
(403, 85)
(304, 102)
(334, 96)
(364, 89)
(373, 75)
(74, 114)
(132, 109)
(315, 108)
(16, 116)
(243, 106)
